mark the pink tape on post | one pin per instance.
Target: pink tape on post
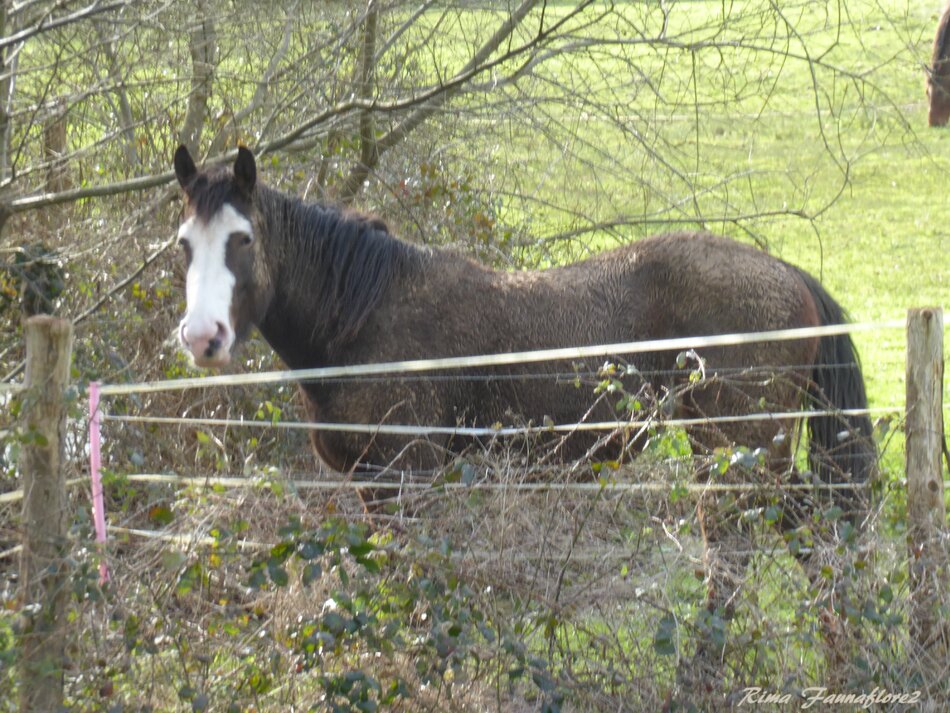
(98, 506)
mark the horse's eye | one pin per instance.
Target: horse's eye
(183, 243)
(242, 239)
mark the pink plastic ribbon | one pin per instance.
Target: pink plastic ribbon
(98, 506)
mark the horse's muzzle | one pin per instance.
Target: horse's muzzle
(209, 344)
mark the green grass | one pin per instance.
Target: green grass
(865, 169)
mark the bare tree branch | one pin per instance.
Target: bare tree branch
(46, 23)
(262, 90)
(124, 109)
(46, 200)
(426, 109)
(7, 85)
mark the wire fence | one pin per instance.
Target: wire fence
(472, 431)
(424, 368)
(413, 368)
(626, 535)
(400, 483)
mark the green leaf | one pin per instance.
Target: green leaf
(311, 573)
(833, 513)
(189, 578)
(664, 640)
(277, 573)
(161, 514)
(310, 549)
(543, 681)
(678, 492)
(361, 549)
(200, 702)
(257, 578)
(281, 551)
(369, 564)
(334, 623)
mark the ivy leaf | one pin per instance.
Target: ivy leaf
(277, 573)
(664, 640)
(311, 573)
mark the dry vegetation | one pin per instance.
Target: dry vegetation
(276, 597)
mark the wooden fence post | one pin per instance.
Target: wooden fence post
(43, 575)
(926, 511)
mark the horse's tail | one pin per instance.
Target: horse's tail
(841, 447)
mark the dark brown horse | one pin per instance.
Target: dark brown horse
(327, 288)
(938, 74)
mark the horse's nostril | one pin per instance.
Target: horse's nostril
(213, 346)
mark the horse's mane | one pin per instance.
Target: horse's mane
(340, 264)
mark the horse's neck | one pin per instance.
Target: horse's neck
(286, 322)
(307, 317)
(288, 333)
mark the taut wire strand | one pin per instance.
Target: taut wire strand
(409, 430)
(487, 360)
(608, 486)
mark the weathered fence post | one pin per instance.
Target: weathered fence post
(926, 511)
(43, 575)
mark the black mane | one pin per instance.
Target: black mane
(340, 263)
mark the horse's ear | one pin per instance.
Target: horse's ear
(245, 170)
(185, 168)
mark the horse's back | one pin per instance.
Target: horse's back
(671, 285)
(686, 284)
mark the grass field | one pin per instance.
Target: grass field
(816, 148)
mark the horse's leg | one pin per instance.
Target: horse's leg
(407, 463)
(385, 461)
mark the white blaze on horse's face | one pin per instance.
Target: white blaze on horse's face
(207, 331)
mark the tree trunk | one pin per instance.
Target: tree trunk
(202, 44)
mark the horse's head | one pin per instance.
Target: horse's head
(217, 236)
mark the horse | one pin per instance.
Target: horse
(938, 74)
(327, 287)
